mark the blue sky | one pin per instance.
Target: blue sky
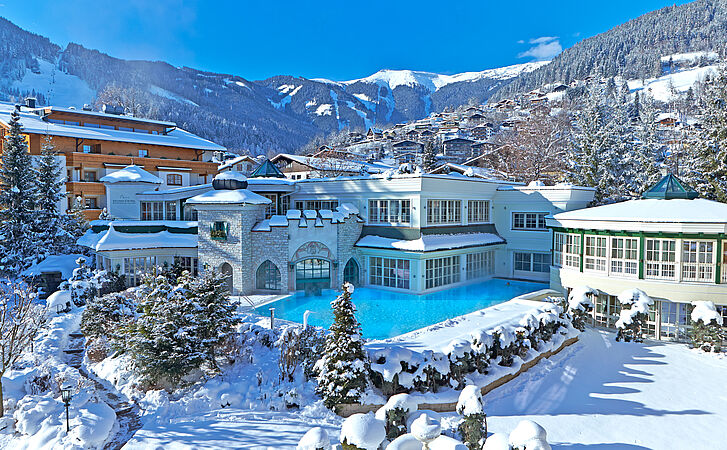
(338, 40)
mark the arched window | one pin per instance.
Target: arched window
(268, 276)
(350, 272)
(226, 270)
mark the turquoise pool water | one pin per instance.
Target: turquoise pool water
(384, 314)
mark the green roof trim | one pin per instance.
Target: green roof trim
(670, 187)
(267, 170)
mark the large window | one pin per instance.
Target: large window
(480, 264)
(529, 221)
(572, 250)
(152, 211)
(660, 258)
(558, 244)
(188, 263)
(531, 262)
(444, 211)
(595, 254)
(268, 276)
(170, 210)
(478, 211)
(312, 269)
(442, 271)
(389, 211)
(135, 268)
(698, 261)
(625, 255)
(389, 272)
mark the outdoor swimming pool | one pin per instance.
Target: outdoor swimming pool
(384, 314)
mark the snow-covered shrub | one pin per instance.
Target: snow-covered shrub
(299, 347)
(395, 412)
(634, 314)
(497, 441)
(528, 435)
(315, 439)
(343, 369)
(580, 304)
(362, 432)
(473, 428)
(82, 286)
(105, 316)
(707, 334)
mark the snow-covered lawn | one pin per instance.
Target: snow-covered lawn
(596, 394)
(602, 394)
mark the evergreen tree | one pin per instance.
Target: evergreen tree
(707, 336)
(648, 151)
(429, 157)
(216, 313)
(17, 201)
(343, 369)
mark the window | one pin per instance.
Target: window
(190, 214)
(660, 258)
(724, 261)
(316, 204)
(573, 251)
(91, 203)
(86, 148)
(444, 211)
(389, 272)
(188, 263)
(268, 276)
(595, 257)
(142, 153)
(126, 129)
(174, 179)
(272, 207)
(675, 318)
(558, 243)
(152, 211)
(389, 211)
(532, 262)
(722, 310)
(480, 265)
(698, 261)
(219, 231)
(91, 125)
(89, 176)
(135, 268)
(625, 255)
(170, 210)
(478, 211)
(442, 271)
(529, 221)
(312, 269)
(106, 127)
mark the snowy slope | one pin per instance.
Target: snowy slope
(58, 87)
(661, 87)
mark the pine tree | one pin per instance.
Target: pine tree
(429, 158)
(343, 369)
(216, 313)
(17, 201)
(648, 149)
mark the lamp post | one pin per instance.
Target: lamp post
(66, 397)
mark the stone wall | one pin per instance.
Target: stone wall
(271, 245)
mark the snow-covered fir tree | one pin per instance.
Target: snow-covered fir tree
(429, 157)
(343, 369)
(648, 147)
(215, 311)
(17, 201)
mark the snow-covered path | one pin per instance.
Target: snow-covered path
(602, 394)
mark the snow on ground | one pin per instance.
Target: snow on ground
(58, 87)
(603, 394)
(660, 88)
(161, 92)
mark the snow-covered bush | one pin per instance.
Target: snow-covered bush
(395, 412)
(580, 305)
(528, 435)
(362, 432)
(634, 314)
(707, 334)
(342, 372)
(104, 322)
(473, 427)
(299, 347)
(315, 439)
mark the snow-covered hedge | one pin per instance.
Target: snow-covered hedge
(396, 369)
(707, 333)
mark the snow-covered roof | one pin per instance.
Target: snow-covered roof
(33, 123)
(83, 112)
(115, 240)
(229, 163)
(175, 193)
(238, 196)
(333, 164)
(65, 264)
(231, 175)
(131, 174)
(653, 210)
(431, 242)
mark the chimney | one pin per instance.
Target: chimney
(30, 102)
(87, 107)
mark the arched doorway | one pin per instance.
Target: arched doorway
(226, 270)
(351, 272)
(312, 275)
(267, 277)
